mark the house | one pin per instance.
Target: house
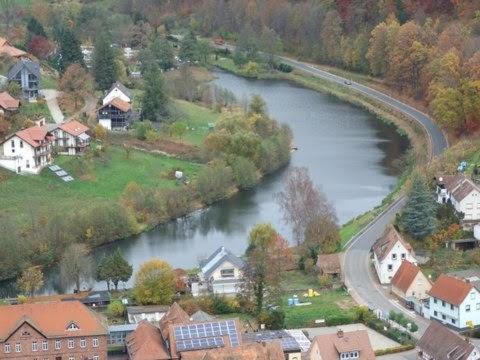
(51, 330)
(26, 73)
(146, 343)
(115, 115)
(409, 283)
(118, 90)
(454, 302)
(463, 194)
(388, 253)
(99, 298)
(439, 343)
(8, 104)
(329, 264)
(151, 313)
(117, 334)
(471, 275)
(71, 137)
(7, 49)
(293, 344)
(222, 272)
(253, 351)
(27, 151)
(342, 345)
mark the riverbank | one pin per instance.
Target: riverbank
(418, 138)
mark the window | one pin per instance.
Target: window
(404, 256)
(227, 273)
(453, 321)
(443, 303)
(95, 342)
(96, 357)
(83, 343)
(354, 354)
(12, 143)
(27, 163)
(434, 301)
(452, 307)
(72, 326)
(435, 313)
(34, 346)
(45, 345)
(21, 144)
(71, 343)
(7, 348)
(390, 267)
(472, 296)
(444, 317)
(467, 307)
(18, 347)
(478, 306)
(71, 358)
(58, 344)
(394, 256)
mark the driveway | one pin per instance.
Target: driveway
(52, 103)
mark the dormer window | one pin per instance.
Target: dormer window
(25, 333)
(72, 327)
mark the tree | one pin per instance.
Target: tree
(8, 8)
(188, 48)
(155, 98)
(76, 82)
(302, 202)
(267, 257)
(75, 265)
(116, 308)
(69, 48)
(244, 172)
(177, 129)
(271, 46)
(214, 182)
(418, 217)
(40, 47)
(321, 236)
(34, 27)
(104, 65)
(154, 283)
(120, 270)
(257, 105)
(31, 280)
(162, 52)
(204, 49)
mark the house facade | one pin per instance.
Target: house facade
(71, 138)
(454, 302)
(27, 151)
(463, 194)
(115, 115)
(8, 104)
(222, 272)
(388, 254)
(342, 345)
(118, 91)
(51, 330)
(409, 283)
(26, 73)
(439, 343)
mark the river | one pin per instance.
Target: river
(350, 154)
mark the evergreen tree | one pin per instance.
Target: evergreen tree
(69, 48)
(34, 27)
(162, 53)
(188, 48)
(113, 269)
(104, 65)
(155, 98)
(418, 217)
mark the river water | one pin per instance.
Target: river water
(349, 153)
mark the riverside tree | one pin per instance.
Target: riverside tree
(113, 269)
(267, 257)
(31, 280)
(104, 65)
(75, 265)
(154, 283)
(418, 217)
(155, 98)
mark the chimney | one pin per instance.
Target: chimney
(340, 333)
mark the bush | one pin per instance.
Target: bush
(244, 172)
(251, 69)
(394, 350)
(273, 319)
(141, 129)
(284, 68)
(214, 182)
(116, 308)
(339, 319)
(325, 281)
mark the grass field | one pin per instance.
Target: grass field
(197, 119)
(104, 180)
(34, 110)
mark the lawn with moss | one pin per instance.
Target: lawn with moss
(105, 179)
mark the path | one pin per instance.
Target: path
(52, 103)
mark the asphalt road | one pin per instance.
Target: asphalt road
(362, 283)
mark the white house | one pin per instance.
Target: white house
(222, 272)
(71, 137)
(440, 343)
(27, 151)
(454, 302)
(118, 90)
(463, 194)
(388, 253)
(409, 283)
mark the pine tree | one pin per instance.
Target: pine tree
(104, 65)
(34, 27)
(70, 51)
(163, 53)
(155, 98)
(418, 217)
(188, 48)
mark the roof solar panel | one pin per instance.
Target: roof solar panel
(204, 335)
(198, 344)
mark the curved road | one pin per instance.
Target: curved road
(359, 278)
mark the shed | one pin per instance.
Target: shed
(329, 264)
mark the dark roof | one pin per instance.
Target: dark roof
(329, 263)
(442, 344)
(32, 66)
(384, 245)
(289, 343)
(121, 87)
(220, 255)
(147, 309)
(96, 296)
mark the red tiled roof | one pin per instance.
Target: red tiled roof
(331, 345)
(384, 245)
(74, 127)
(175, 315)
(119, 104)
(51, 319)
(8, 49)
(8, 102)
(146, 343)
(405, 275)
(450, 289)
(271, 350)
(34, 135)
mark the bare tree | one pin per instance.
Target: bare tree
(75, 265)
(301, 202)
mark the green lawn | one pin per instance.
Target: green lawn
(197, 119)
(48, 82)
(106, 179)
(33, 110)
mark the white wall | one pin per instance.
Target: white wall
(216, 275)
(458, 313)
(106, 123)
(114, 94)
(384, 274)
(470, 206)
(25, 156)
